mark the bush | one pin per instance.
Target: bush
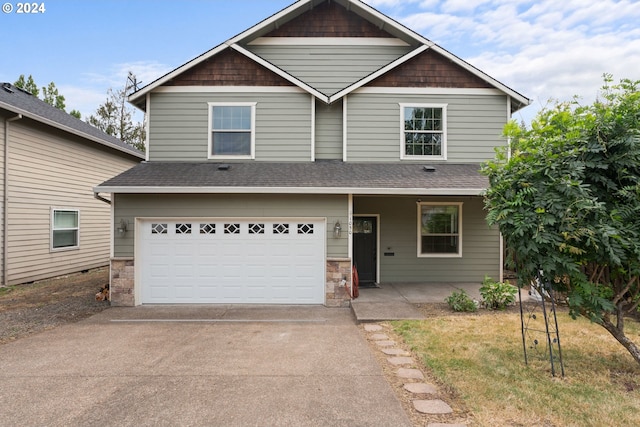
(460, 301)
(496, 295)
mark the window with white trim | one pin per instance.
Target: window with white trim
(232, 130)
(440, 229)
(65, 229)
(424, 131)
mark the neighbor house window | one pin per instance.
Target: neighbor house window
(65, 228)
(232, 130)
(424, 131)
(440, 229)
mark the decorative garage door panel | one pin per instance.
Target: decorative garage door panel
(232, 261)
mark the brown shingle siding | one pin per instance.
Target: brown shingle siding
(429, 69)
(228, 68)
(328, 19)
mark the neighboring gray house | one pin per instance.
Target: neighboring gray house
(326, 135)
(51, 223)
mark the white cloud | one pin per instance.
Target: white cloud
(92, 88)
(543, 49)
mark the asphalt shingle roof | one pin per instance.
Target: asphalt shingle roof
(370, 178)
(19, 101)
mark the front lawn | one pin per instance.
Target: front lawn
(480, 356)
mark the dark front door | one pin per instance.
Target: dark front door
(365, 248)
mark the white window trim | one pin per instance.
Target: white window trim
(51, 229)
(419, 230)
(403, 155)
(252, 155)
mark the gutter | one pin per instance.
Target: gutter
(5, 219)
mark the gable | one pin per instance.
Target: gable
(328, 19)
(430, 69)
(317, 26)
(228, 68)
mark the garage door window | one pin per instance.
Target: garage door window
(207, 229)
(305, 228)
(65, 229)
(280, 228)
(183, 228)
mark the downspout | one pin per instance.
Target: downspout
(102, 199)
(5, 219)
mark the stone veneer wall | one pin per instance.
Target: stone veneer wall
(336, 293)
(122, 282)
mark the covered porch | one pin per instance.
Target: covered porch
(397, 301)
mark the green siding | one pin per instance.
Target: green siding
(179, 128)
(398, 234)
(474, 125)
(132, 206)
(330, 69)
(328, 131)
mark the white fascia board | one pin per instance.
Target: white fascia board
(293, 190)
(328, 41)
(391, 22)
(272, 19)
(68, 129)
(229, 89)
(378, 73)
(281, 72)
(162, 80)
(473, 70)
(374, 90)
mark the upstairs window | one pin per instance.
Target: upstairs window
(232, 132)
(440, 229)
(424, 131)
(65, 229)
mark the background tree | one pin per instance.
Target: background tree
(51, 96)
(568, 203)
(115, 116)
(50, 93)
(27, 84)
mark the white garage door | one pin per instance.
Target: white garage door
(232, 261)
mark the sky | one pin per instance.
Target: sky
(545, 49)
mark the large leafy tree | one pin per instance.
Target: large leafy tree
(115, 116)
(566, 196)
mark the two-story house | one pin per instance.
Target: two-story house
(326, 136)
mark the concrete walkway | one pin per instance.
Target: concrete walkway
(199, 366)
(396, 301)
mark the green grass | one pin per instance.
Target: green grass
(481, 358)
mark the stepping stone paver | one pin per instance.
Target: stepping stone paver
(394, 352)
(400, 360)
(379, 337)
(388, 343)
(432, 407)
(420, 388)
(372, 328)
(415, 374)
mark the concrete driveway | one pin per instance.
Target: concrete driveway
(198, 366)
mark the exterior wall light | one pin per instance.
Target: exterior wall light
(337, 230)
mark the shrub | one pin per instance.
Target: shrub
(496, 295)
(460, 301)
